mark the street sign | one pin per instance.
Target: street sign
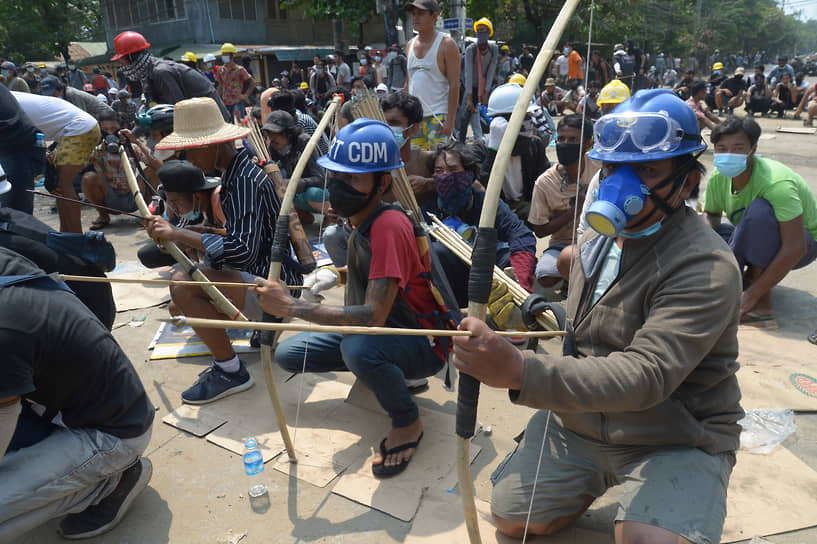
(451, 24)
(469, 23)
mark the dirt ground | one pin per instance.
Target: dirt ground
(198, 490)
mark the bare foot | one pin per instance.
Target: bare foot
(398, 436)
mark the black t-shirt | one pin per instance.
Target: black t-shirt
(16, 129)
(734, 85)
(58, 354)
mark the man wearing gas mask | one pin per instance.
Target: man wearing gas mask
(645, 394)
(387, 284)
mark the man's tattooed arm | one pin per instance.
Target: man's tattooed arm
(380, 295)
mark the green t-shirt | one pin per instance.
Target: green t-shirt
(784, 189)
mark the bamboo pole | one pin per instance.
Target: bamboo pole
(182, 321)
(155, 281)
(222, 303)
(460, 248)
(369, 106)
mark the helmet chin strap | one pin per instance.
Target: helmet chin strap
(677, 180)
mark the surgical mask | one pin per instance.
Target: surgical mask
(225, 59)
(43, 70)
(30, 69)
(193, 216)
(392, 55)
(208, 65)
(346, 200)
(730, 164)
(398, 135)
(377, 59)
(318, 70)
(482, 36)
(649, 231)
(566, 51)
(6, 73)
(567, 153)
(621, 197)
(363, 62)
(72, 67)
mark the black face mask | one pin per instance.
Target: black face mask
(345, 200)
(567, 153)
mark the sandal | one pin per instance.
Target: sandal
(383, 471)
(813, 337)
(755, 318)
(99, 224)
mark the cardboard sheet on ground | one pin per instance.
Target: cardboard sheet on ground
(196, 420)
(326, 437)
(400, 495)
(170, 342)
(797, 130)
(769, 494)
(784, 376)
(132, 296)
(440, 520)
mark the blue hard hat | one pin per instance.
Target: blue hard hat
(364, 145)
(654, 124)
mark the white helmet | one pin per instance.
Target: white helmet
(209, 57)
(503, 99)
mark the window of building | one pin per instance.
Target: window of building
(125, 13)
(237, 9)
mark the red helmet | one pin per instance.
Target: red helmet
(127, 43)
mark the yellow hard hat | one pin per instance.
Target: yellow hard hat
(614, 92)
(717, 66)
(189, 56)
(42, 65)
(519, 79)
(487, 22)
(228, 48)
(504, 48)
(304, 85)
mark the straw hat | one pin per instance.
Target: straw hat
(198, 122)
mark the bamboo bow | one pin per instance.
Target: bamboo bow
(484, 258)
(280, 247)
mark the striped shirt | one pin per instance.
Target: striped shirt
(251, 207)
(309, 126)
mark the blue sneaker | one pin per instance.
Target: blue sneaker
(214, 384)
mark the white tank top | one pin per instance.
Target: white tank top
(426, 82)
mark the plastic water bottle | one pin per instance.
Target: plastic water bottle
(253, 466)
(40, 140)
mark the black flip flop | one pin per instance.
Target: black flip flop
(383, 471)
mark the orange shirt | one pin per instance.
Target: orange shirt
(574, 65)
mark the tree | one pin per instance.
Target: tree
(351, 12)
(40, 29)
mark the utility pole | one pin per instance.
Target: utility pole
(698, 18)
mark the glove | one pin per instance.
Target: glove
(320, 280)
(500, 304)
(536, 305)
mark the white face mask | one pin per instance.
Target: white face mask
(225, 59)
